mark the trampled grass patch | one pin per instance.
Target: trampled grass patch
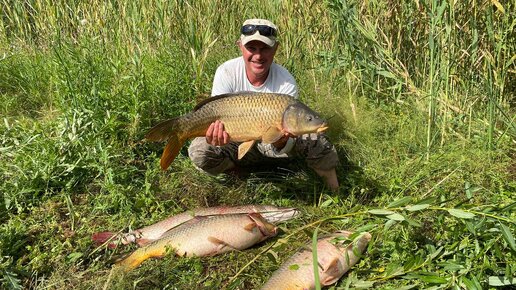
(419, 97)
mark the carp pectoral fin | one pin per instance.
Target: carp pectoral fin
(249, 227)
(332, 272)
(244, 148)
(220, 243)
(216, 241)
(271, 135)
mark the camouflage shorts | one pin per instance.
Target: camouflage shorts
(318, 152)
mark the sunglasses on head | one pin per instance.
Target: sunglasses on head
(264, 30)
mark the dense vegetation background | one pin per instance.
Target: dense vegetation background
(422, 100)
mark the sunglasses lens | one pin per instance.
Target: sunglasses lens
(248, 29)
(264, 30)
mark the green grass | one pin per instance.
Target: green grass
(421, 100)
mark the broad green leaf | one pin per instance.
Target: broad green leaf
(388, 225)
(400, 202)
(436, 253)
(74, 256)
(380, 211)
(394, 269)
(327, 203)
(272, 255)
(433, 279)
(386, 74)
(507, 235)
(451, 266)
(293, 267)
(413, 222)
(460, 213)
(468, 283)
(366, 228)
(417, 207)
(363, 284)
(501, 281)
(467, 187)
(396, 217)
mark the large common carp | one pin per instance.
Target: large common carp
(247, 117)
(145, 235)
(335, 257)
(207, 237)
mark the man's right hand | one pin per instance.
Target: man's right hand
(215, 135)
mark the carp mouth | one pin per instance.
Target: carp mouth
(322, 128)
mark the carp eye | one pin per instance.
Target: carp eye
(309, 118)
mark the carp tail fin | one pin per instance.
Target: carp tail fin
(162, 131)
(131, 261)
(175, 142)
(105, 237)
(135, 259)
(170, 131)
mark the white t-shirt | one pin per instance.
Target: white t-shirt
(230, 77)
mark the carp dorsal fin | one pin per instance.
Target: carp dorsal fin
(214, 98)
(271, 135)
(229, 95)
(244, 148)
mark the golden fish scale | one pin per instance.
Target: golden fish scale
(245, 117)
(192, 239)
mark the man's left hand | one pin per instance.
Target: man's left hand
(282, 141)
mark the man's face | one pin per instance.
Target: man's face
(258, 57)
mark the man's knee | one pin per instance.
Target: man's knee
(208, 158)
(319, 152)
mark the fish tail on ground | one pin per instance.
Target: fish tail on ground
(135, 259)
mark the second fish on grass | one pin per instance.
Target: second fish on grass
(207, 236)
(335, 256)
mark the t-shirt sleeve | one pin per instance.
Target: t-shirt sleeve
(290, 88)
(285, 82)
(222, 81)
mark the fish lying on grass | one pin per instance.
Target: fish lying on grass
(207, 237)
(247, 117)
(335, 257)
(145, 235)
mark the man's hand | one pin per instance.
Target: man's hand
(282, 141)
(215, 135)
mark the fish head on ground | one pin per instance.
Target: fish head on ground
(278, 214)
(339, 252)
(299, 119)
(267, 229)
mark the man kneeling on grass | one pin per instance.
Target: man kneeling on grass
(255, 71)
